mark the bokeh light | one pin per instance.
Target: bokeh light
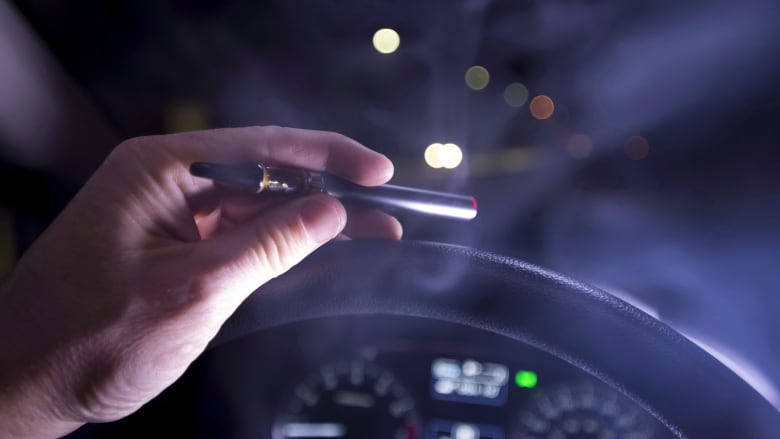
(443, 155)
(579, 146)
(515, 94)
(477, 77)
(451, 155)
(636, 147)
(542, 107)
(432, 155)
(188, 115)
(386, 40)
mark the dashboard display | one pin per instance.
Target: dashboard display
(469, 381)
(458, 430)
(349, 399)
(585, 410)
(405, 378)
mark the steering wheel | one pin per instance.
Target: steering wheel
(685, 388)
(688, 390)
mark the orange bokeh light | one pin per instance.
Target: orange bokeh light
(542, 107)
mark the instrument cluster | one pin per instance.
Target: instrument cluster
(407, 378)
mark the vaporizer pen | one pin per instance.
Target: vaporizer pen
(297, 181)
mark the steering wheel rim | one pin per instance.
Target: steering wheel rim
(688, 390)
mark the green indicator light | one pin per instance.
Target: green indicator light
(526, 379)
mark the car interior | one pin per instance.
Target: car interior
(617, 282)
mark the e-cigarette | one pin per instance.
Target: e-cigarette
(297, 182)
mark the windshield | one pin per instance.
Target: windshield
(631, 145)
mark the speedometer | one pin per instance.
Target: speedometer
(349, 399)
(586, 410)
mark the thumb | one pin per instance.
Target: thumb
(271, 243)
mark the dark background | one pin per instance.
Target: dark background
(689, 231)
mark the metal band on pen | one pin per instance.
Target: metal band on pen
(266, 179)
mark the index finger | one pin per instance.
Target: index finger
(316, 150)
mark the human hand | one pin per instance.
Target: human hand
(138, 273)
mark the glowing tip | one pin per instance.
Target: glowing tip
(474, 202)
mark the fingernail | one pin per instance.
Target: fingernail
(322, 218)
(389, 170)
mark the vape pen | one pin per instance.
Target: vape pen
(297, 181)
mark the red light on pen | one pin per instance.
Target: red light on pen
(474, 202)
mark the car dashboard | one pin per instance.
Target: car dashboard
(387, 377)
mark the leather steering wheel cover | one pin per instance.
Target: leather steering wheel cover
(684, 387)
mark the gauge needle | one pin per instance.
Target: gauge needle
(313, 429)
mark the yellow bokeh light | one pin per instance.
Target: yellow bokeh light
(477, 77)
(446, 155)
(386, 40)
(432, 155)
(579, 146)
(450, 155)
(183, 116)
(637, 147)
(542, 107)
(515, 94)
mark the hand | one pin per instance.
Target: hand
(130, 283)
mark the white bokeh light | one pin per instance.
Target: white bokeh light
(386, 40)
(443, 155)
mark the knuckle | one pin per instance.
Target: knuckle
(339, 138)
(278, 248)
(269, 251)
(269, 130)
(334, 138)
(136, 148)
(134, 144)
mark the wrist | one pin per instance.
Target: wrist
(30, 401)
(31, 415)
